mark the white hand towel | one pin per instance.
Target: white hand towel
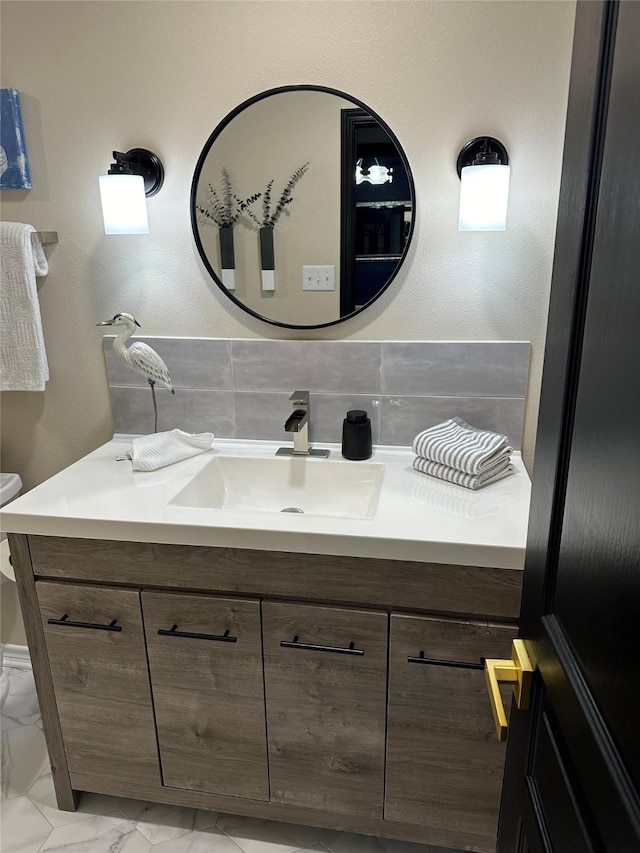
(454, 475)
(458, 445)
(150, 452)
(23, 360)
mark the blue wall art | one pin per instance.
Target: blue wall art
(14, 168)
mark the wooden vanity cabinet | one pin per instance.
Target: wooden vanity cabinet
(325, 675)
(444, 763)
(96, 651)
(205, 660)
(258, 684)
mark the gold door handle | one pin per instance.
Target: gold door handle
(517, 671)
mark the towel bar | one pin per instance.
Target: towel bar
(44, 237)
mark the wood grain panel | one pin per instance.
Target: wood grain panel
(444, 763)
(208, 694)
(467, 840)
(468, 590)
(21, 561)
(101, 681)
(325, 710)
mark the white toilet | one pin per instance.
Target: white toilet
(10, 485)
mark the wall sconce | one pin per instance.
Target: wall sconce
(483, 169)
(123, 191)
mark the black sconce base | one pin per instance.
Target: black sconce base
(480, 145)
(140, 161)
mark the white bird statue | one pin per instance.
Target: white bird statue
(140, 356)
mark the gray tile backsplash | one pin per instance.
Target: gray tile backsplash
(192, 362)
(442, 369)
(341, 367)
(404, 417)
(189, 410)
(241, 388)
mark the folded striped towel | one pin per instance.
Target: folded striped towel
(469, 481)
(150, 452)
(456, 444)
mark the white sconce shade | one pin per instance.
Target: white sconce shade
(483, 169)
(484, 197)
(124, 205)
(124, 190)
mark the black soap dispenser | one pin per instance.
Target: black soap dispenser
(356, 435)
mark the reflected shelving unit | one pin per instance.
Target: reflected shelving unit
(376, 209)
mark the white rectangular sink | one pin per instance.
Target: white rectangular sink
(296, 485)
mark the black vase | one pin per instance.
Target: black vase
(267, 258)
(227, 257)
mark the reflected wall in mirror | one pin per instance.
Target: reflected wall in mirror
(334, 177)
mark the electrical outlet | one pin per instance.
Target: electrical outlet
(318, 278)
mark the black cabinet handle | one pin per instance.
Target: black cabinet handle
(192, 635)
(460, 664)
(64, 620)
(294, 644)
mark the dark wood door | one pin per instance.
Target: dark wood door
(205, 658)
(573, 759)
(95, 645)
(326, 690)
(444, 762)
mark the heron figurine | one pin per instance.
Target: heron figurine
(140, 356)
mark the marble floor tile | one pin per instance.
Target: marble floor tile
(24, 828)
(24, 757)
(102, 834)
(20, 680)
(210, 840)
(42, 794)
(159, 822)
(20, 709)
(267, 836)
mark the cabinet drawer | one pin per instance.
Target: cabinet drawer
(205, 657)
(325, 673)
(95, 645)
(444, 763)
(471, 590)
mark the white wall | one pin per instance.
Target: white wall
(95, 76)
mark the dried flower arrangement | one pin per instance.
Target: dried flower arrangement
(224, 207)
(269, 217)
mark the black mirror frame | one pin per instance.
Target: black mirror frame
(196, 176)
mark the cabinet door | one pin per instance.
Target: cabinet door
(325, 674)
(205, 656)
(444, 762)
(95, 645)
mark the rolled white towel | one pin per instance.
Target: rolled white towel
(460, 446)
(150, 452)
(469, 481)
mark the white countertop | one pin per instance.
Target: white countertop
(418, 517)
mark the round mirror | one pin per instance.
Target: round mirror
(302, 206)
